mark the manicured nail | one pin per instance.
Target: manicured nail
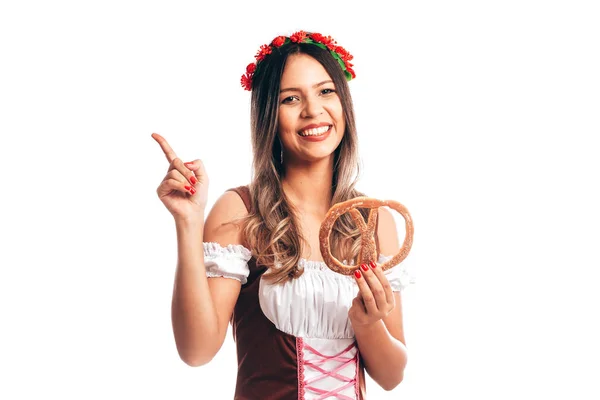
(364, 267)
(373, 265)
(193, 180)
(187, 187)
(193, 191)
(357, 274)
(188, 163)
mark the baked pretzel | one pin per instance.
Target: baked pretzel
(368, 251)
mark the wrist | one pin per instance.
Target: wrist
(366, 328)
(189, 224)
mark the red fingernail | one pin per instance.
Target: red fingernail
(187, 187)
(193, 180)
(357, 274)
(373, 265)
(188, 163)
(193, 191)
(364, 267)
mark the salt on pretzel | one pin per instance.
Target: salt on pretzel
(368, 251)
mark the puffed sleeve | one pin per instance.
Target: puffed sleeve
(227, 262)
(400, 275)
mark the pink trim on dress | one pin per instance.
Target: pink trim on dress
(356, 377)
(300, 357)
(316, 363)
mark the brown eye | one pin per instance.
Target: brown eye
(288, 99)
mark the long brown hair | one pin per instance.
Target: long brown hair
(271, 229)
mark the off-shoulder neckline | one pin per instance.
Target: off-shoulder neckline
(303, 262)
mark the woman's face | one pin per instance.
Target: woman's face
(311, 120)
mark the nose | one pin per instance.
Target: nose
(312, 107)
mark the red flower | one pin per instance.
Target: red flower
(263, 51)
(247, 81)
(278, 41)
(317, 37)
(298, 37)
(343, 53)
(326, 40)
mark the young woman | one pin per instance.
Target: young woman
(302, 331)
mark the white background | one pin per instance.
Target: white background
(478, 116)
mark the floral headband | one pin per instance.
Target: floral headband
(324, 42)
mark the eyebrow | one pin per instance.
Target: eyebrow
(297, 90)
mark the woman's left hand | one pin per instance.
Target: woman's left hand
(375, 298)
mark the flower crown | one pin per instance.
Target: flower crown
(324, 42)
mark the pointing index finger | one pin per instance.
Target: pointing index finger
(169, 153)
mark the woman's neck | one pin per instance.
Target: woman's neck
(309, 188)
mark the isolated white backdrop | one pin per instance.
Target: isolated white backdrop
(478, 116)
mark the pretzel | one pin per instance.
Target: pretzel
(368, 251)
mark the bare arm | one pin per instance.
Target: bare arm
(383, 349)
(201, 306)
(381, 337)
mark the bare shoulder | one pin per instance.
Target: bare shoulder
(387, 233)
(222, 224)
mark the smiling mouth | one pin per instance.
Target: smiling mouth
(320, 131)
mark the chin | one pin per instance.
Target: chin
(314, 157)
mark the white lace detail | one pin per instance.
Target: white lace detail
(230, 261)
(316, 304)
(400, 275)
(213, 249)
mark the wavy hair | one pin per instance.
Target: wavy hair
(272, 229)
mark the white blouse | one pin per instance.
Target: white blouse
(227, 262)
(314, 305)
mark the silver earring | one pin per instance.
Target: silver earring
(281, 160)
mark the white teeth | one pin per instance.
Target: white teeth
(316, 131)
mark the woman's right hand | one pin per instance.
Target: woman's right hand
(184, 189)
